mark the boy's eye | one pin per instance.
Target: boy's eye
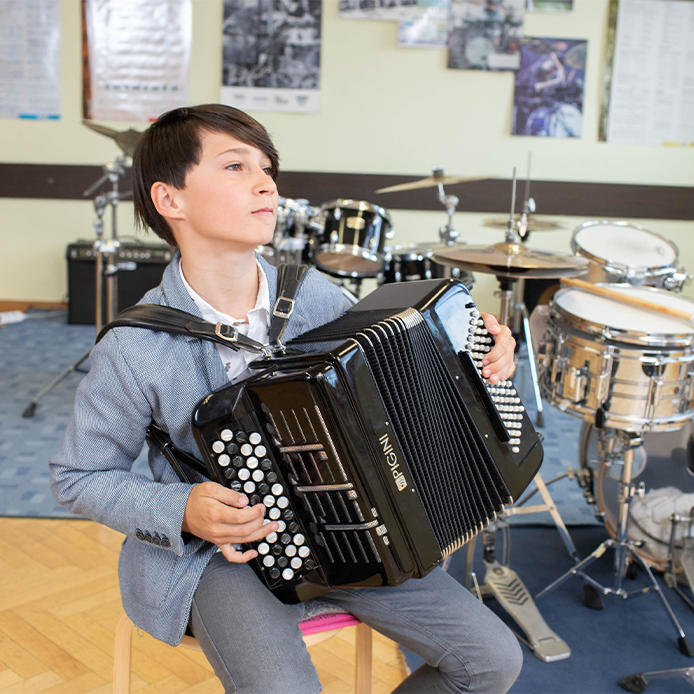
(234, 167)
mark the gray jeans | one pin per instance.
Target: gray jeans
(254, 643)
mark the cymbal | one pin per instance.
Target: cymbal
(512, 260)
(431, 182)
(126, 140)
(533, 224)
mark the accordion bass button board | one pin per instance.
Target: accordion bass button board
(382, 451)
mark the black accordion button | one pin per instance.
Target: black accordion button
(236, 486)
(266, 464)
(286, 538)
(293, 527)
(277, 550)
(241, 437)
(230, 473)
(232, 449)
(288, 514)
(283, 562)
(271, 477)
(309, 564)
(275, 573)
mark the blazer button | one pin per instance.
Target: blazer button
(139, 534)
(156, 539)
(165, 542)
(148, 537)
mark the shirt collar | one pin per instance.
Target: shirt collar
(210, 313)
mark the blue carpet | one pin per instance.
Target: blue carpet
(34, 352)
(627, 636)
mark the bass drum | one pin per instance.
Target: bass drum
(662, 464)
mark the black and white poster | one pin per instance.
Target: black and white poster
(485, 34)
(381, 9)
(548, 97)
(271, 55)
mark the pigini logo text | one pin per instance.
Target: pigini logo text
(392, 460)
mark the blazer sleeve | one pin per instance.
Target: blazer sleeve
(91, 473)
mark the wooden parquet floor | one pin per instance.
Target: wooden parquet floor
(59, 606)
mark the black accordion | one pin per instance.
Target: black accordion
(380, 455)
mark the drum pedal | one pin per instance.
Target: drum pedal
(510, 592)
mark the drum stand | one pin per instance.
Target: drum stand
(105, 251)
(624, 548)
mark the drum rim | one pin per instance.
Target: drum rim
(613, 334)
(360, 205)
(410, 252)
(618, 267)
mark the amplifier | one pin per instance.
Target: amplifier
(140, 268)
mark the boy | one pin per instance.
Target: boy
(204, 180)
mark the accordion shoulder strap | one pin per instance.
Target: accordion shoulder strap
(289, 279)
(173, 320)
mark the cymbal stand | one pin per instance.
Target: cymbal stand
(447, 233)
(624, 548)
(512, 307)
(105, 265)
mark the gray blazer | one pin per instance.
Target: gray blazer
(137, 375)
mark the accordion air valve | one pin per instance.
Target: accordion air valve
(379, 455)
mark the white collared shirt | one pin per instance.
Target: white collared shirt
(236, 363)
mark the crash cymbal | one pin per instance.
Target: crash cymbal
(431, 182)
(512, 260)
(533, 224)
(126, 140)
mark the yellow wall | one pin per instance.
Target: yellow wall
(384, 110)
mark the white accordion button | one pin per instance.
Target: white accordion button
(246, 449)
(287, 574)
(304, 551)
(255, 438)
(276, 489)
(283, 502)
(299, 539)
(296, 563)
(263, 548)
(226, 435)
(275, 513)
(218, 447)
(290, 550)
(224, 460)
(271, 537)
(269, 560)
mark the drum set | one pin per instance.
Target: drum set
(618, 352)
(348, 240)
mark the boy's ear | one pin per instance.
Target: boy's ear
(165, 200)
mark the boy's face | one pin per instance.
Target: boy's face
(229, 196)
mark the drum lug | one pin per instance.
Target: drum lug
(578, 380)
(605, 375)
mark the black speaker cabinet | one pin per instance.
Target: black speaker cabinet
(140, 268)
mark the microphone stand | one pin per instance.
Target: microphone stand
(106, 265)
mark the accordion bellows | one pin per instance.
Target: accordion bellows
(382, 454)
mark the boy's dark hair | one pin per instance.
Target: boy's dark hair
(172, 145)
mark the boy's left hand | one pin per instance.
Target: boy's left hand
(498, 365)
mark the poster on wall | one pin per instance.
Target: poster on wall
(648, 94)
(30, 59)
(271, 55)
(137, 57)
(429, 29)
(485, 34)
(549, 5)
(382, 9)
(548, 96)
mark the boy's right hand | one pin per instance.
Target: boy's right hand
(223, 517)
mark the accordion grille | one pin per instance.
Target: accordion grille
(460, 486)
(315, 469)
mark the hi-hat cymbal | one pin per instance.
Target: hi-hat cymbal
(512, 260)
(126, 140)
(533, 224)
(431, 182)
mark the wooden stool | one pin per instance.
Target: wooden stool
(314, 631)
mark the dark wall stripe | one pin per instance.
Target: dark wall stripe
(598, 200)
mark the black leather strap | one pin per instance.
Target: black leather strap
(289, 279)
(179, 460)
(173, 320)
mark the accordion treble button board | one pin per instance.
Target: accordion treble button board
(504, 396)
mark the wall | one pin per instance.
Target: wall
(384, 110)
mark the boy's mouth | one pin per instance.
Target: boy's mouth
(264, 211)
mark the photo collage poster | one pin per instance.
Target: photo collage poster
(137, 58)
(271, 55)
(485, 34)
(548, 96)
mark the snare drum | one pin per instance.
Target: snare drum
(415, 262)
(617, 365)
(624, 252)
(352, 238)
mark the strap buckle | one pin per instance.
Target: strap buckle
(234, 337)
(285, 310)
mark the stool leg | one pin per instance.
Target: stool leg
(122, 656)
(363, 659)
